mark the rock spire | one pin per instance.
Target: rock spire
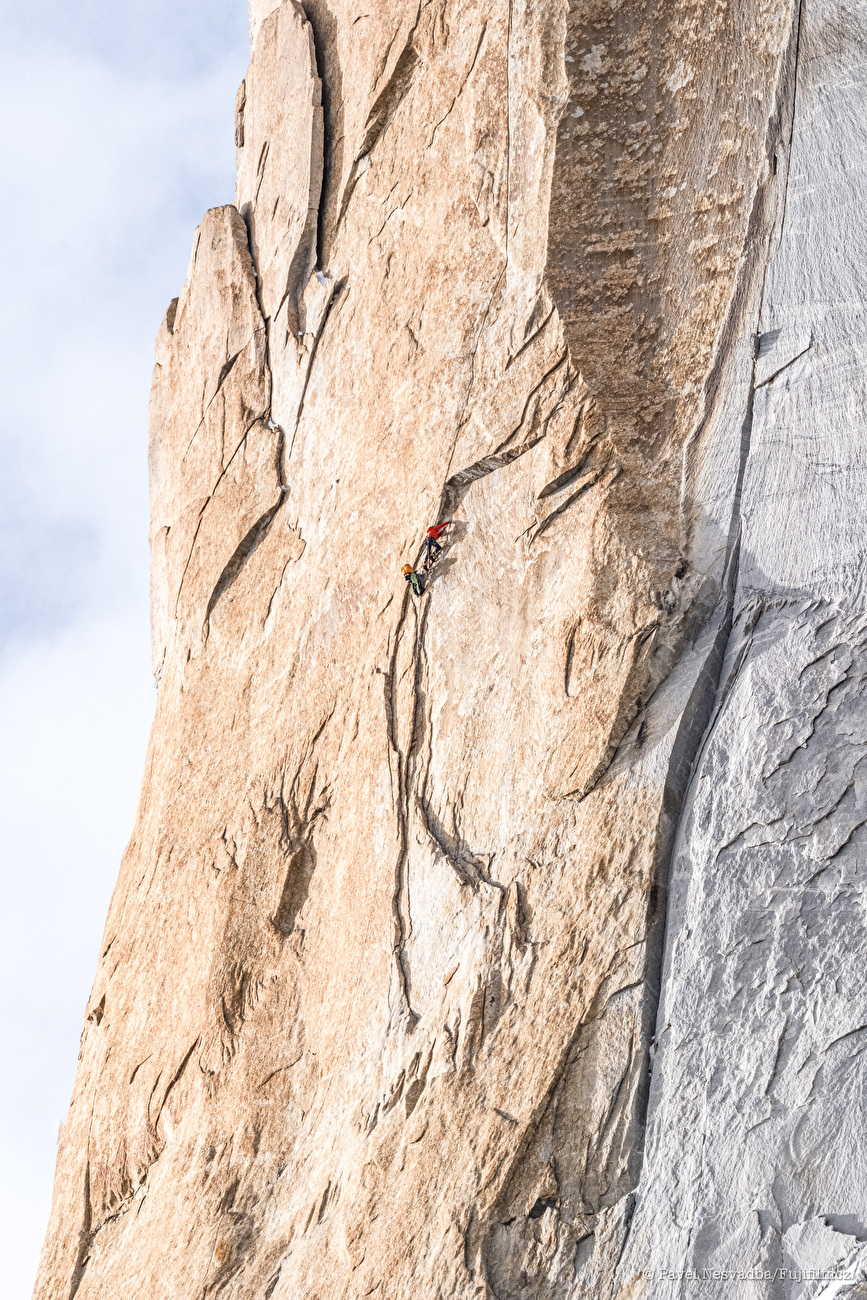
(505, 943)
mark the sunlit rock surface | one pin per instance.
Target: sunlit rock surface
(506, 943)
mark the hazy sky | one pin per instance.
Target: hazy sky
(115, 136)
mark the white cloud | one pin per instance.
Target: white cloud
(74, 715)
(115, 136)
(108, 176)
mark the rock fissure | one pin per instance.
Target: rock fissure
(383, 111)
(535, 974)
(336, 293)
(707, 699)
(222, 475)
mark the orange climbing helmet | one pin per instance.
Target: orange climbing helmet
(407, 568)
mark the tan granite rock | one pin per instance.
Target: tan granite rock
(376, 1004)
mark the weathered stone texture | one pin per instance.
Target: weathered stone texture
(412, 881)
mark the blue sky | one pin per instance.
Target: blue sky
(115, 136)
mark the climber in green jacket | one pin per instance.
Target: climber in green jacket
(415, 580)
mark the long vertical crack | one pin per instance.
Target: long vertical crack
(701, 710)
(85, 1236)
(404, 761)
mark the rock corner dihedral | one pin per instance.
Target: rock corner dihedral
(501, 940)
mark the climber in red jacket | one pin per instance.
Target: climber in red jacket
(432, 542)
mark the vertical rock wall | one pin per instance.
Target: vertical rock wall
(756, 1151)
(504, 943)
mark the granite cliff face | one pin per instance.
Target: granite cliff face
(508, 943)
